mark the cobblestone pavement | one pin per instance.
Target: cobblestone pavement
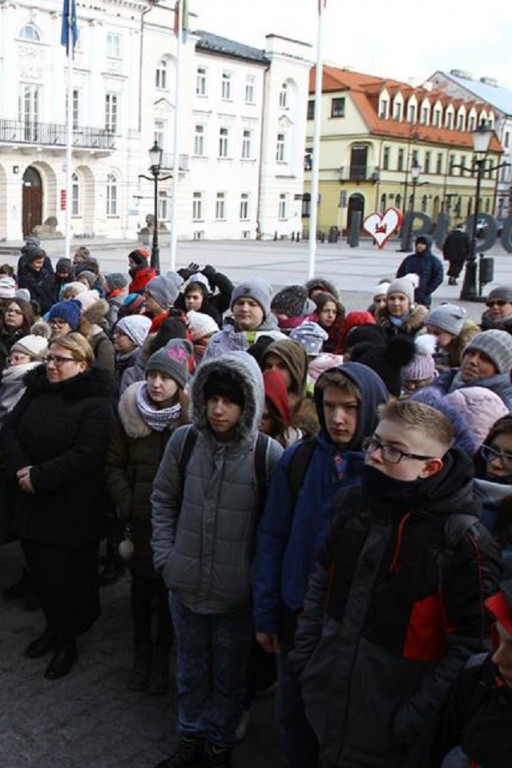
(90, 719)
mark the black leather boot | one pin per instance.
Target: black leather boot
(62, 660)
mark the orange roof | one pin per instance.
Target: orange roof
(365, 90)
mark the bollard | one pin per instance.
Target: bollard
(355, 228)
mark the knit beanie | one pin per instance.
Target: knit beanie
(69, 310)
(171, 328)
(22, 293)
(89, 276)
(87, 299)
(366, 332)
(422, 366)
(324, 362)
(115, 281)
(7, 288)
(386, 361)
(140, 257)
(496, 345)
(292, 301)
(406, 284)
(224, 384)
(164, 289)
(33, 252)
(132, 304)
(295, 357)
(381, 289)
(257, 349)
(136, 327)
(200, 325)
(482, 408)
(63, 265)
(311, 336)
(31, 345)
(172, 360)
(275, 391)
(501, 292)
(254, 288)
(447, 317)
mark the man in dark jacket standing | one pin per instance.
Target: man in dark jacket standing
(456, 250)
(428, 268)
(396, 605)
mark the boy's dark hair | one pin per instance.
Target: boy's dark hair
(224, 384)
(196, 287)
(419, 416)
(336, 378)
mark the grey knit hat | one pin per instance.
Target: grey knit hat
(311, 336)
(165, 288)
(501, 292)
(89, 276)
(115, 281)
(172, 360)
(254, 288)
(496, 345)
(447, 317)
(406, 284)
(136, 327)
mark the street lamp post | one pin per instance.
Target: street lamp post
(415, 175)
(481, 141)
(155, 163)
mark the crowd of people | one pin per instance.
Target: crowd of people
(303, 496)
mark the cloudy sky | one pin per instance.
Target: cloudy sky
(394, 39)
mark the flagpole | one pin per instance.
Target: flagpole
(176, 147)
(69, 141)
(316, 144)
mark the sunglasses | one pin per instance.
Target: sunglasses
(497, 303)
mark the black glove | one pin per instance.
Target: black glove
(186, 272)
(209, 271)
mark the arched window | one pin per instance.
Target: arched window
(283, 96)
(424, 203)
(30, 32)
(398, 202)
(161, 74)
(75, 195)
(383, 201)
(112, 194)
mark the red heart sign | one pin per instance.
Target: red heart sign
(382, 225)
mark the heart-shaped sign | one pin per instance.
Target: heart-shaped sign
(382, 225)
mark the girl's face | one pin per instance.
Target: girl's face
(444, 339)
(499, 464)
(122, 342)
(328, 314)
(398, 304)
(162, 389)
(379, 302)
(267, 422)
(13, 316)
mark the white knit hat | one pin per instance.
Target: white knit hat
(32, 345)
(7, 287)
(136, 327)
(200, 325)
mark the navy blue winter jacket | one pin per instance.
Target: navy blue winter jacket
(429, 270)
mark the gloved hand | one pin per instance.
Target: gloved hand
(208, 271)
(186, 272)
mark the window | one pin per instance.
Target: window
(111, 112)
(201, 81)
(398, 111)
(76, 109)
(112, 194)
(449, 120)
(199, 140)
(113, 45)
(227, 81)
(280, 148)
(439, 163)
(337, 107)
(283, 206)
(311, 109)
(161, 74)
(385, 159)
(400, 163)
(250, 89)
(30, 32)
(472, 123)
(197, 206)
(29, 105)
(223, 142)
(247, 144)
(383, 108)
(308, 159)
(244, 206)
(415, 158)
(159, 133)
(424, 204)
(424, 115)
(163, 206)
(506, 140)
(306, 205)
(460, 122)
(283, 96)
(437, 118)
(412, 113)
(426, 166)
(220, 206)
(75, 195)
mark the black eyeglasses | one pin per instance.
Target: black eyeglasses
(489, 453)
(390, 453)
(58, 360)
(497, 303)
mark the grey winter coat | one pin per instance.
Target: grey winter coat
(204, 522)
(230, 339)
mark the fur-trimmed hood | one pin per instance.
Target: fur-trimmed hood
(244, 369)
(93, 383)
(414, 322)
(324, 284)
(96, 312)
(131, 419)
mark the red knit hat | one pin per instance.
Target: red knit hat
(275, 391)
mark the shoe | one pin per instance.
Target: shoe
(139, 675)
(62, 661)
(41, 645)
(241, 730)
(190, 752)
(159, 677)
(219, 757)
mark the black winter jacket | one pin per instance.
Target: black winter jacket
(41, 286)
(392, 614)
(430, 272)
(61, 430)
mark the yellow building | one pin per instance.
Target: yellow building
(374, 131)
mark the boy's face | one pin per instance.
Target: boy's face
(393, 434)
(223, 416)
(341, 409)
(502, 656)
(194, 300)
(247, 313)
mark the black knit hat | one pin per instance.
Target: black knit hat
(292, 301)
(140, 257)
(387, 361)
(224, 384)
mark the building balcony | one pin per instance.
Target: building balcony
(54, 135)
(168, 162)
(358, 173)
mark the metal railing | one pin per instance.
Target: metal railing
(53, 134)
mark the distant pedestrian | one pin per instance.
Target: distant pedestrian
(428, 268)
(456, 250)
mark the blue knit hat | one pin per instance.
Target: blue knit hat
(69, 310)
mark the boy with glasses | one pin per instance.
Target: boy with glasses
(396, 604)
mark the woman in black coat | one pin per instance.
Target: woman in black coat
(53, 444)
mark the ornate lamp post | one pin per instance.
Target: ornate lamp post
(415, 176)
(155, 162)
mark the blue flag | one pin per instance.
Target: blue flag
(69, 25)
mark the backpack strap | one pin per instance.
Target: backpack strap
(456, 527)
(187, 447)
(298, 466)
(260, 469)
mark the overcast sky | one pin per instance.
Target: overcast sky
(396, 39)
